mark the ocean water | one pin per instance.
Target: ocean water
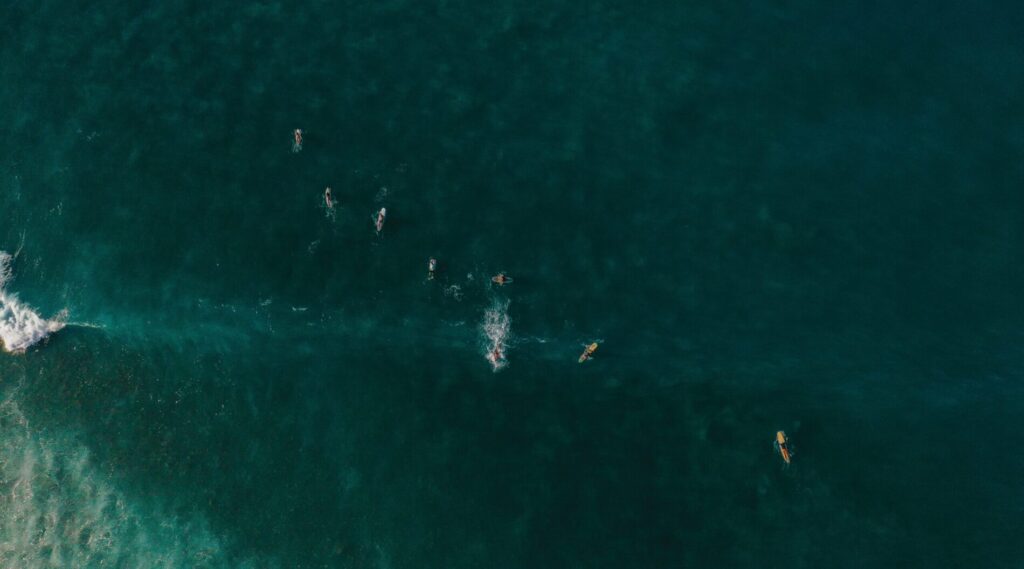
(787, 215)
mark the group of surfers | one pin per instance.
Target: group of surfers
(781, 442)
(500, 279)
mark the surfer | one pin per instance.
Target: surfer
(496, 354)
(297, 145)
(501, 279)
(328, 200)
(588, 352)
(431, 268)
(782, 445)
(380, 219)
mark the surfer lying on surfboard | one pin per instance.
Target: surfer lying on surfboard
(588, 352)
(501, 279)
(782, 445)
(328, 200)
(380, 219)
(297, 145)
(431, 268)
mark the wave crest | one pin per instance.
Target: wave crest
(20, 326)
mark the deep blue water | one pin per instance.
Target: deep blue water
(792, 215)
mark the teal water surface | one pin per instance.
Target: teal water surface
(796, 216)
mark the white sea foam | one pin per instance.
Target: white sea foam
(20, 326)
(453, 291)
(59, 508)
(495, 328)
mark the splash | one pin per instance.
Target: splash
(453, 291)
(495, 327)
(20, 326)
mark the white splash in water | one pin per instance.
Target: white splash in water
(495, 327)
(20, 326)
(453, 291)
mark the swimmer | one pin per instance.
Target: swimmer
(380, 219)
(431, 268)
(588, 352)
(297, 145)
(782, 445)
(328, 200)
(501, 279)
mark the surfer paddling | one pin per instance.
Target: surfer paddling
(431, 268)
(328, 199)
(501, 279)
(297, 144)
(782, 446)
(379, 223)
(588, 352)
(497, 355)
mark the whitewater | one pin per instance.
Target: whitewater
(20, 326)
(495, 328)
(61, 508)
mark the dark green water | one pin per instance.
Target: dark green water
(793, 215)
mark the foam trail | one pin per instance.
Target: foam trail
(495, 327)
(20, 326)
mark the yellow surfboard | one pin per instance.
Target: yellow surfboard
(588, 352)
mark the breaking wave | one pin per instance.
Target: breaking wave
(20, 326)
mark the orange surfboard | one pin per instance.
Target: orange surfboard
(782, 445)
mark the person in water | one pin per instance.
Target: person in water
(588, 352)
(328, 200)
(501, 279)
(782, 446)
(297, 145)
